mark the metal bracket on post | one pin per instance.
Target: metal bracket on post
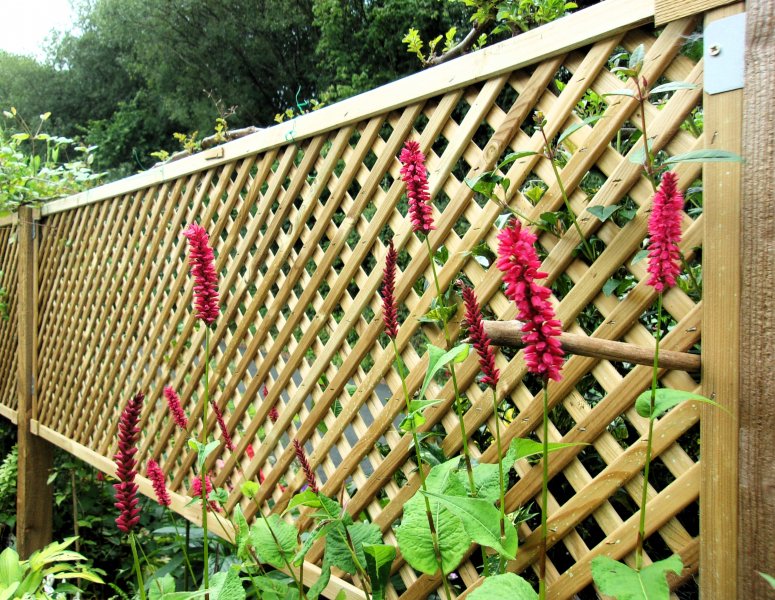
(724, 54)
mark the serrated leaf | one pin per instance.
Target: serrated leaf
(620, 581)
(603, 212)
(672, 87)
(482, 522)
(576, 126)
(510, 158)
(704, 156)
(275, 546)
(338, 551)
(438, 358)
(664, 400)
(508, 586)
(379, 558)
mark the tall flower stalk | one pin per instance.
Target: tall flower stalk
(390, 318)
(518, 260)
(206, 302)
(126, 488)
(415, 177)
(663, 268)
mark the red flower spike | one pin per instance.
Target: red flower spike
(202, 264)
(665, 234)
(518, 260)
(250, 452)
(126, 488)
(196, 491)
(479, 339)
(415, 176)
(156, 476)
(312, 481)
(225, 436)
(389, 313)
(173, 402)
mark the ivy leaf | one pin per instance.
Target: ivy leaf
(576, 126)
(438, 358)
(603, 212)
(672, 87)
(620, 581)
(276, 553)
(481, 521)
(704, 156)
(508, 586)
(337, 549)
(664, 400)
(379, 559)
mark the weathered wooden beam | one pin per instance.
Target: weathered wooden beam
(509, 333)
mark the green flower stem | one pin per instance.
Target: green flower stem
(649, 441)
(588, 249)
(202, 474)
(418, 458)
(544, 496)
(138, 571)
(648, 165)
(182, 543)
(502, 498)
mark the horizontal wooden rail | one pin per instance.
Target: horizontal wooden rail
(509, 333)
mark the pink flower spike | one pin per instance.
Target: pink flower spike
(156, 476)
(389, 313)
(518, 260)
(665, 234)
(222, 426)
(196, 490)
(201, 260)
(126, 488)
(415, 176)
(301, 455)
(478, 337)
(173, 401)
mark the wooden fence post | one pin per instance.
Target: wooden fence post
(721, 336)
(756, 521)
(34, 502)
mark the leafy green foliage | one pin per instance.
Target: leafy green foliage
(624, 583)
(8, 472)
(508, 586)
(664, 400)
(274, 541)
(379, 558)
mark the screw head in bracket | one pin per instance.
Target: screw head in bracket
(714, 50)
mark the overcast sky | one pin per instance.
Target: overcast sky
(27, 23)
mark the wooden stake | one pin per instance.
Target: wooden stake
(34, 502)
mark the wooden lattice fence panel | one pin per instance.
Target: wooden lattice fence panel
(8, 333)
(300, 227)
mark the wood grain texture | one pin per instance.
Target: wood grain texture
(757, 321)
(670, 10)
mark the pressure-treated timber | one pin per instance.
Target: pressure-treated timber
(34, 499)
(756, 496)
(670, 10)
(509, 333)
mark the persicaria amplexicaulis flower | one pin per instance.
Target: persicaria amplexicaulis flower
(665, 234)
(478, 337)
(273, 414)
(173, 401)
(312, 481)
(156, 476)
(201, 260)
(518, 260)
(415, 176)
(196, 490)
(389, 313)
(222, 426)
(126, 488)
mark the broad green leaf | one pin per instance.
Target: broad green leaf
(305, 498)
(623, 583)
(672, 87)
(270, 551)
(508, 586)
(416, 544)
(484, 183)
(338, 551)
(438, 358)
(320, 584)
(227, 586)
(249, 489)
(664, 400)
(157, 588)
(485, 480)
(510, 158)
(482, 522)
(379, 558)
(241, 533)
(603, 212)
(206, 450)
(522, 448)
(704, 156)
(444, 479)
(576, 126)
(271, 587)
(10, 569)
(87, 575)
(421, 405)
